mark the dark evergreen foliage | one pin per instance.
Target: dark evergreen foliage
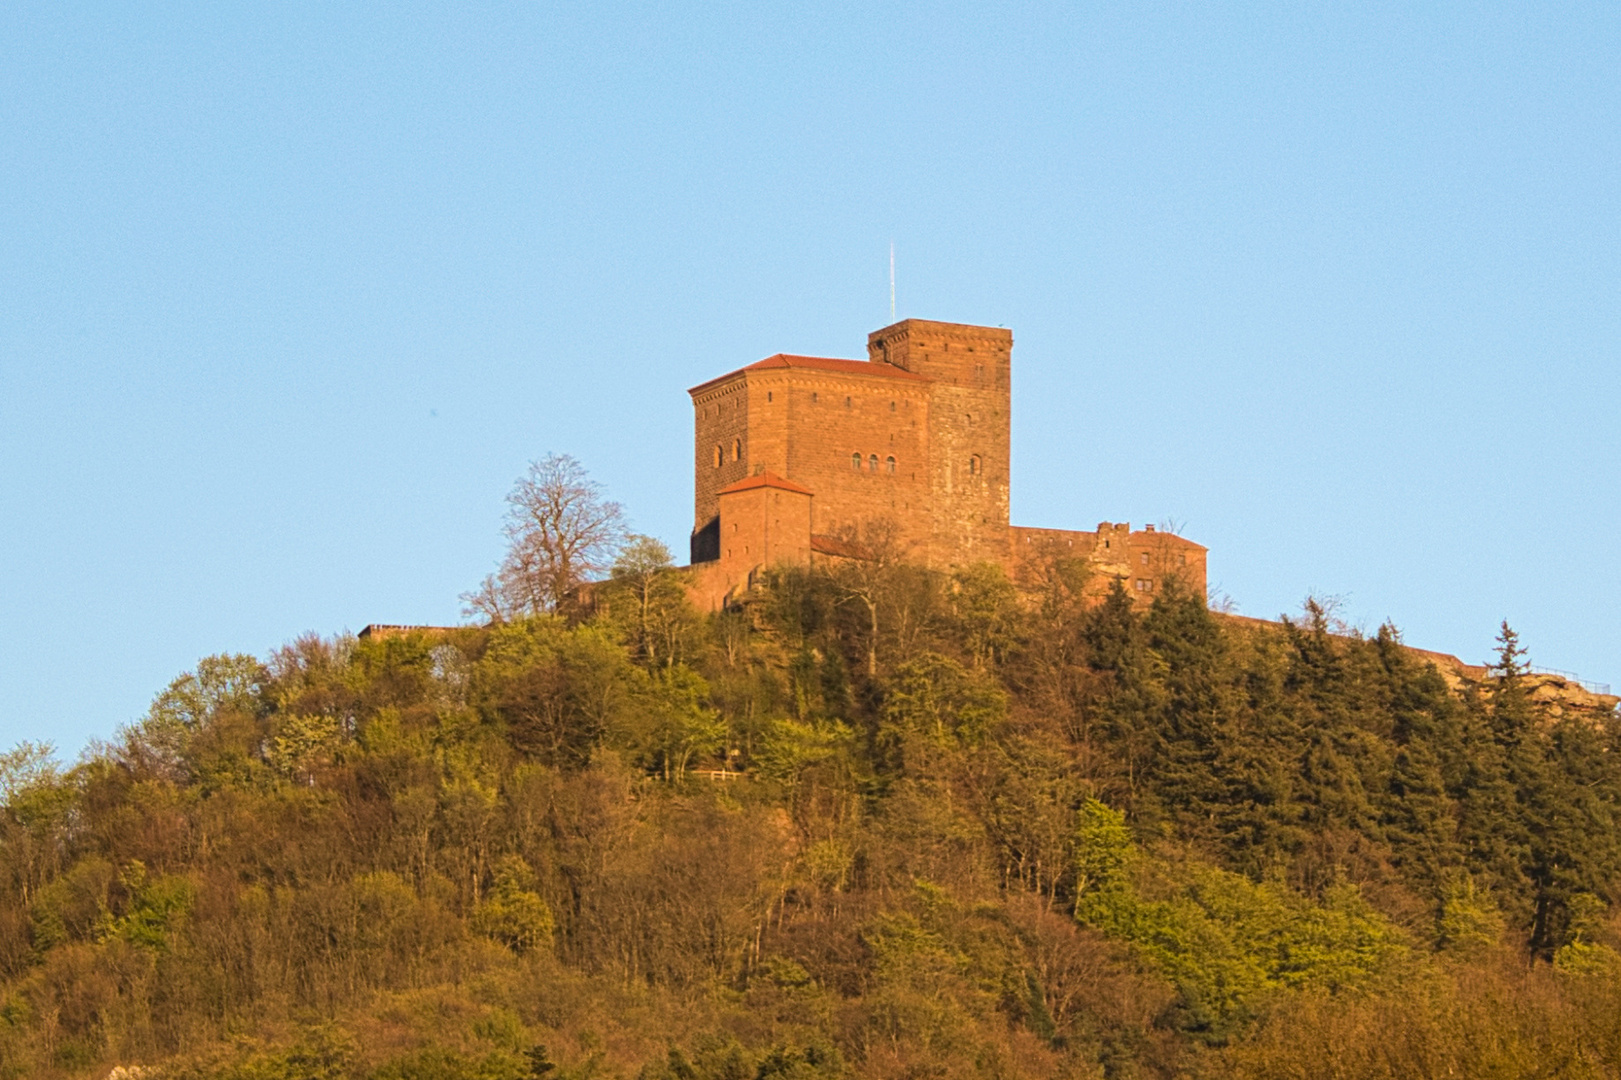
(916, 824)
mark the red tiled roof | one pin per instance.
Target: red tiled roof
(766, 479)
(816, 363)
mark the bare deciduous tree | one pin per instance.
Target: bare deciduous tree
(560, 532)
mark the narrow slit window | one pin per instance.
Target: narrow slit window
(737, 449)
(719, 455)
(974, 465)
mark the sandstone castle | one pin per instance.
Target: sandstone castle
(804, 458)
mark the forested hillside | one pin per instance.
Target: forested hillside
(880, 822)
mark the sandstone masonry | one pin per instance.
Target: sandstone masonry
(800, 458)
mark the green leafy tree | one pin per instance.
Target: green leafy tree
(645, 598)
(672, 726)
(559, 689)
(936, 697)
(514, 913)
(205, 721)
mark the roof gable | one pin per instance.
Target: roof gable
(859, 368)
(763, 480)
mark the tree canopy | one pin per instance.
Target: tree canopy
(894, 823)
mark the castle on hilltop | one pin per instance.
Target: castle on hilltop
(800, 459)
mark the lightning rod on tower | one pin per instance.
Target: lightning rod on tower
(892, 281)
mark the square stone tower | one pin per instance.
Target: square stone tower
(969, 371)
(806, 458)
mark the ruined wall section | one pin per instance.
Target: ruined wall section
(1143, 561)
(969, 371)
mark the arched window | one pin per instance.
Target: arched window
(889, 463)
(737, 449)
(872, 463)
(855, 461)
(974, 465)
(720, 455)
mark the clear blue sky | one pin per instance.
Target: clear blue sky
(289, 295)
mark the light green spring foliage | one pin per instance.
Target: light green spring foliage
(789, 747)
(26, 767)
(1221, 939)
(514, 914)
(182, 730)
(302, 744)
(78, 906)
(1469, 922)
(564, 691)
(936, 698)
(973, 837)
(1582, 955)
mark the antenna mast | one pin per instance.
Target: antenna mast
(892, 281)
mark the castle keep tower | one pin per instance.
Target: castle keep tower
(969, 372)
(799, 458)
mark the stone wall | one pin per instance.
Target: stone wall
(969, 372)
(910, 448)
(809, 420)
(720, 445)
(1143, 561)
